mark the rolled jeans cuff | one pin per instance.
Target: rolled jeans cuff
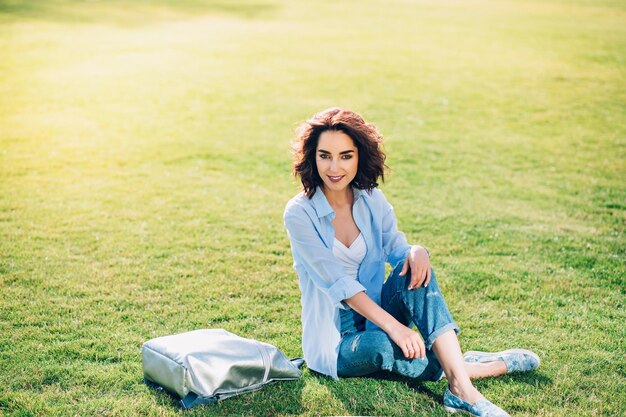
(428, 342)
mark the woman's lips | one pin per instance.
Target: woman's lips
(335, 179)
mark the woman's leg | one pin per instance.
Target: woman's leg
(448, 351)
(363, 352)
(485, 370)
(426, 307)
(366, 352)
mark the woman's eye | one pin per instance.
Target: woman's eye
(346, 157)
(323, 156)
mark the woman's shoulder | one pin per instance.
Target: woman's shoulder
(297, 204)
(376, 197)
(377, 194)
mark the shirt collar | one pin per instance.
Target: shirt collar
(321, 205)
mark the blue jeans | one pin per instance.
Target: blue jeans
(364, 352)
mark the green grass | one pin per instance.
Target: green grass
(145, 165)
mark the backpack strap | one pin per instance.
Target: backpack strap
(298, 362)
(192, 400)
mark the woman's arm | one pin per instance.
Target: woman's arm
(416, 258)
(407, 339)
(322, 268)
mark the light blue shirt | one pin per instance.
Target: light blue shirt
(323, 280)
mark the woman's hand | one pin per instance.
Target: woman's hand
(408, 340)
(418, 261)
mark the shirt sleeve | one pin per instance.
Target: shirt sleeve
(395, 245)
(324, 269)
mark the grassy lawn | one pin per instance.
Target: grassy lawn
(145, 165)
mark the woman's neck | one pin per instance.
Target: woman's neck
(339, 198)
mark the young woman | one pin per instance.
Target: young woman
(342, 232)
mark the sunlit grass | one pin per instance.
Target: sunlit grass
(144, 167)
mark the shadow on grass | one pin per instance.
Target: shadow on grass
(431, 390)
(279, 398)
(135, 13)
(379, 392)
(535, 379)
(414, 384)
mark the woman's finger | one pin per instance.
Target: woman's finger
(428, 275)
(417, 346)
(418, 349)
(417, 277)
(422, 274)
(405, 350)
(405, 267)
(410, 351)
(413, 274)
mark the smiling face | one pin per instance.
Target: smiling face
(337, 160)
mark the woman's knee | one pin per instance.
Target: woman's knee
(427, 286)
(398, 269)
(375, 342)
(369, 345)
(364, 353)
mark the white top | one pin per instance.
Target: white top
(350, 257)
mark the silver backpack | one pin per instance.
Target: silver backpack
(204, 366)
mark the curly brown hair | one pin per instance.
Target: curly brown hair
(365, 136)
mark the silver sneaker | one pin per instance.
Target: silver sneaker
(516, 360)
(482, 408)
